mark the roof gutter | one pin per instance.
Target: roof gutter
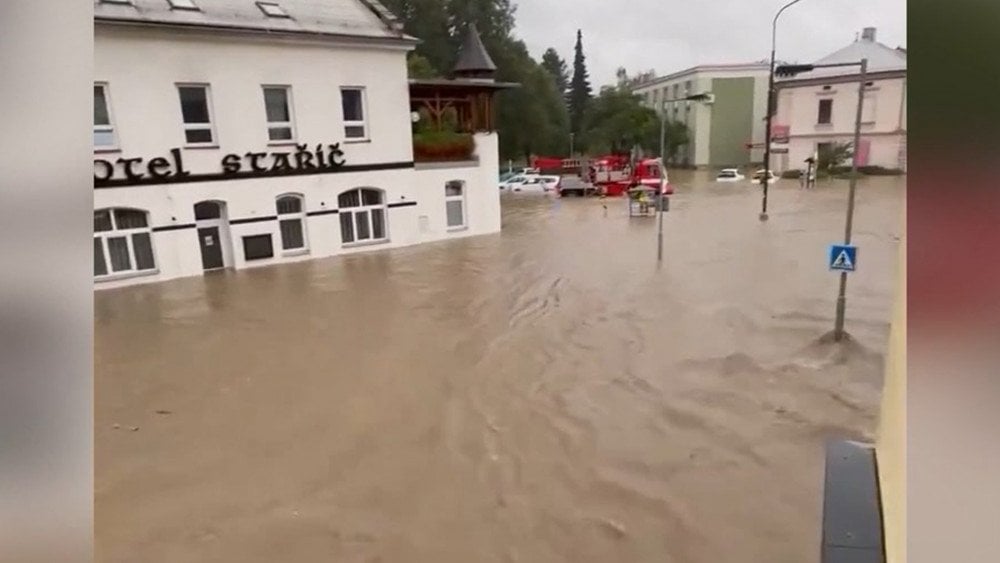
(403, 40)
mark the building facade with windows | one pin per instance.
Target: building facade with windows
(818, 108)
(719, 131)
(236, 134)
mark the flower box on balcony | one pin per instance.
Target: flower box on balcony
(438, 146)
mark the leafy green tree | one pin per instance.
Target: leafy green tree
(616, 121)
(556, 66)
(580, 92)
(676, 135)
(417, 66)
(531, 118)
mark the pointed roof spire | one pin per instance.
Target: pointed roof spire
(473, 60)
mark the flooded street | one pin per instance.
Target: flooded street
(547, 394)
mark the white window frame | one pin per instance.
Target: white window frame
(111, 121)
(116, 232)
(300, 216)
(459, 198)
(184, 5)
(290, 124)
(280, 13)
(364, 115)
(198, 126)
(819, 104)
(869, 108)
(353, 211)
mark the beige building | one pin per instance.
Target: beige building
(720, 129)
(819, 107)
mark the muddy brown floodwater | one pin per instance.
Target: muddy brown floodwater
(547, 394)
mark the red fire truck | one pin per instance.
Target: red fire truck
(610, 175)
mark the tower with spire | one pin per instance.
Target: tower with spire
(474, 63)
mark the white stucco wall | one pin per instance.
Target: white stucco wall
(141, 69)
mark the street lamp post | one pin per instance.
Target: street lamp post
(791, 70)
(571, 145)
(770, 106)
(704, 96)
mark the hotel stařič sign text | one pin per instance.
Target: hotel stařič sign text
(319, 159)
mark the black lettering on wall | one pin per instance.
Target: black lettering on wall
(130, 173)
(231, 163)
(336, 156)
(178, 163)
(303, 158)
(281, 161)
(159, 167)
(320, 157)
(255, 160)
(103, 170)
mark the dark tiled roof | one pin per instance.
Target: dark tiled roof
(473, 57)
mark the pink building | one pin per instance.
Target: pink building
(819, 107)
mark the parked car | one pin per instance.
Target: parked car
(729, 175)
(506, 176)
(513, 181)
(573, 185)
(771, 178)
(531, 184)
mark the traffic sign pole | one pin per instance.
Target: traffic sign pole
(838, 327)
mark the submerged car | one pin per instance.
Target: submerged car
(729, 175)
(758, 175)
(537, 184)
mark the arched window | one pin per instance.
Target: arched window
(122, 242)
(292, 222)
(362, 216)
(454, 203)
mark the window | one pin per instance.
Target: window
(104, 129)
(122, 242)
(278, 107)
(362, 216)
(868, 109)
(196, 113)
(291, 221)
(353, 102)
(257, 247)
(454, 203)
(183, 5)
(272, 10)
(825, 111)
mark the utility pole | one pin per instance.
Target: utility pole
(770, 107)
(571, 145)
(663, 129)
(659, 212)
(838, 328)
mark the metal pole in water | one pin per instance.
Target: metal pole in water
(838, 328)
(659, 212)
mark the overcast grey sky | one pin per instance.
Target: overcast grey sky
(671, 35)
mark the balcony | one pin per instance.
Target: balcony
(449, 115)
(443, 146)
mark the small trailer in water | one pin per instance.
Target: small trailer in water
(643, 201)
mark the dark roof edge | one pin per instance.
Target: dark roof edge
(402, 40)
(487, 85)
(839, 78)
(384, 14)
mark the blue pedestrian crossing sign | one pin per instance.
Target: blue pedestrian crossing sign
(843, 257)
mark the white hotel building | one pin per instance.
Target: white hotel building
(236, 134)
